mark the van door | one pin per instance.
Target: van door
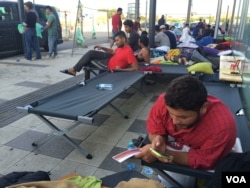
(10, 38)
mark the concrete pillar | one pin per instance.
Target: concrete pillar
(243, 19)
(21, 18)
(21, 10)
(137, 9)
(232, 19)
(152, 11)
(217, 21)
(189, 11)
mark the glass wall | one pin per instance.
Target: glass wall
(239, 32)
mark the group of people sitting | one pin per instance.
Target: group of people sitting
(125, 57)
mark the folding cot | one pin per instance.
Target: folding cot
(230, 96)
(81, 103)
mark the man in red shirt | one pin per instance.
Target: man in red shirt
(119, 59)
(194, 119)
(116, 25)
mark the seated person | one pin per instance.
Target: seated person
(176, 31)
(193, 118)
(144, 53)
(133, 35)
(171, 36)
(207, 32)
(161, 39)
(186, 37)
(121, 58)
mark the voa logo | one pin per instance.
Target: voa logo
(236, 179)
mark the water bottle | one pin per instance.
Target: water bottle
(149, 173)
(104, 86)
(130, 145)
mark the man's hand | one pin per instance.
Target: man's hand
(158, 143)
(98, 47)
(145, 154)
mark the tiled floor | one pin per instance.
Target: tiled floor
(108, 136)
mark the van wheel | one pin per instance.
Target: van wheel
(46, 47)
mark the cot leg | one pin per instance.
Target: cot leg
(118, 111)
(60, 132)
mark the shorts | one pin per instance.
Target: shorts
(113, 34)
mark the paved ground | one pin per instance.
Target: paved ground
(22, 81)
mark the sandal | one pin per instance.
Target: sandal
(66, 71)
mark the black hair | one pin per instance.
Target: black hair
(144, 33)
(121, 34)
(119, 9)
(167, 26)
(209, 26)
(187, 24)
(29, 4)
(144, 40)
(157, 28)
(128, 23)
(187, 93)
(49, 7)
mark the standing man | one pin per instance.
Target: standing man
(31, 41)
(116, 25)
(133, 38)
(162, 21)
(137, 25)
(51, 25)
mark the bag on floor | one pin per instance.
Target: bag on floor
(23, 177)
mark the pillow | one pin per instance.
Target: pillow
(226, 52)
(210, 51)
(202, 67)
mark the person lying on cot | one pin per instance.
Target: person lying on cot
(195, 129)
(120, 59)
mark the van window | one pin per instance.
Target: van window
(41, 13)
(6, 13)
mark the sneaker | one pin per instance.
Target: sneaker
(49, 57)
(35, 59)
(55, 57)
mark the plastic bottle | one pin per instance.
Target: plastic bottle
(149, 172)
(104, 86)
(130, 145)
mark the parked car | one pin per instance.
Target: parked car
(10, 39)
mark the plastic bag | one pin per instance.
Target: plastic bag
(93, 33)
(20, 28)
(39, 30)
(79, 37)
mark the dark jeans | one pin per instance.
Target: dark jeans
(31, 42)
(89, 56)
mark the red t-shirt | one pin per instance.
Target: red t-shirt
(116, 21)
(211, 139)
(122, 58)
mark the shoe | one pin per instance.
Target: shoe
(35, 59)
(49, 57)
(66, 71)
(55, 57)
